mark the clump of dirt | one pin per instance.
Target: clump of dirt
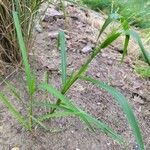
(81, 33)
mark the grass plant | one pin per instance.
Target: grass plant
(9, 47)
(64, 106)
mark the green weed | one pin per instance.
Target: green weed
(143, 71)
(65, 107)
(136, 11)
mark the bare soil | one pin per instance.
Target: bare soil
(81, 28)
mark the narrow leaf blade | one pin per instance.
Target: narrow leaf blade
(112, 17)
(124, 105)
(88, 119)
(29, 76)
(57, 115)
(11, 108)
(112, 37)
(146, 54)
(61, 40)
(126, 43)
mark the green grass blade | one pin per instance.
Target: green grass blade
(61, 44)
(126, 43)
(146, 54)
(13, 90)
(57, 94)
(16, 5)
(143, 71)
(112, 17)
(61, 107)
(29, 76)
(16, 114)
(46, 77)
(51, 106)
(57, 115)
(125, 106)
(89, 120)
(39, 123)
(112, 37)
(125, 26)
(107, 130)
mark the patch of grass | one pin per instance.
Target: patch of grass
(143, 71)
(98, 4)
(137, 11)
(65, 107)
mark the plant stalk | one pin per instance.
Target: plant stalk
(30, 112)
(73, 79)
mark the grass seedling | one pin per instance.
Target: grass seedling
(117, 95)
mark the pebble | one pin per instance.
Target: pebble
(98, 103)
(104, 55)
(138, 100)
(53, 34)
(98, 75)
(87, 49)
(136, 147)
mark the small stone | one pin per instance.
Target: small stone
(138, 100)
(67, 36)
(98, 75)
(15, 148)
(104, 55)
(87, 49)
(51, 13)
(136, 147)
(147, 112)
(98, 103)
(72, 131)
(53, 34)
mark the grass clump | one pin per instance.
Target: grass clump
(9, 47)
(64, 106)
